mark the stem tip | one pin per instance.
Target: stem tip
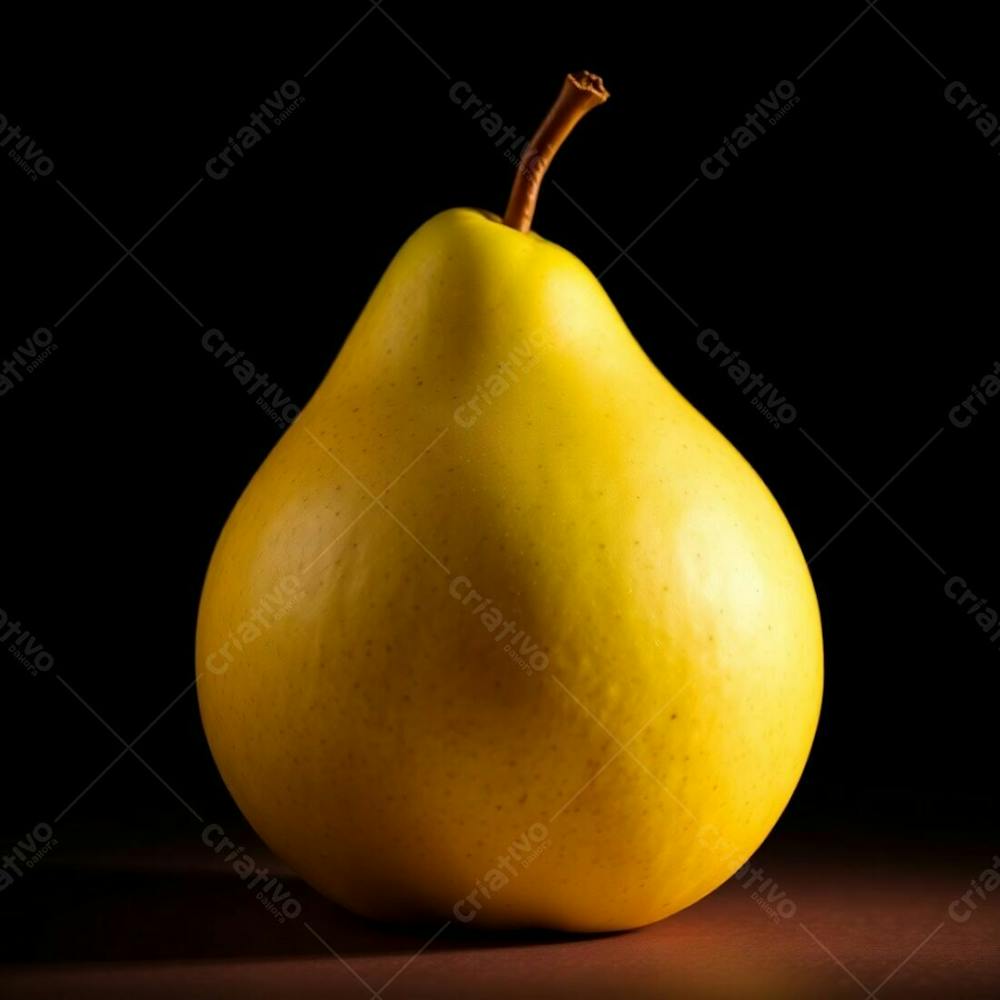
(580, 92)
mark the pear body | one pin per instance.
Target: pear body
(503, 629)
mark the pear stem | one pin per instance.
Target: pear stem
(580, 92)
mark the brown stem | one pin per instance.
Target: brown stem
(580, 93)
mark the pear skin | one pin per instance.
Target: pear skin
(503, 629)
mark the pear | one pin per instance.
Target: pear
(503, 630)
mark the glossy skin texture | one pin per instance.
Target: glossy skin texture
(372, 727)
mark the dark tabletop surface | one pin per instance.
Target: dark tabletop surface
(169, 921)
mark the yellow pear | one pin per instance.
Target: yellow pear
(504, 630)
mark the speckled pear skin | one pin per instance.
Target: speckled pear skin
(492, 448)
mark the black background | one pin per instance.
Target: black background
(847, 254)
